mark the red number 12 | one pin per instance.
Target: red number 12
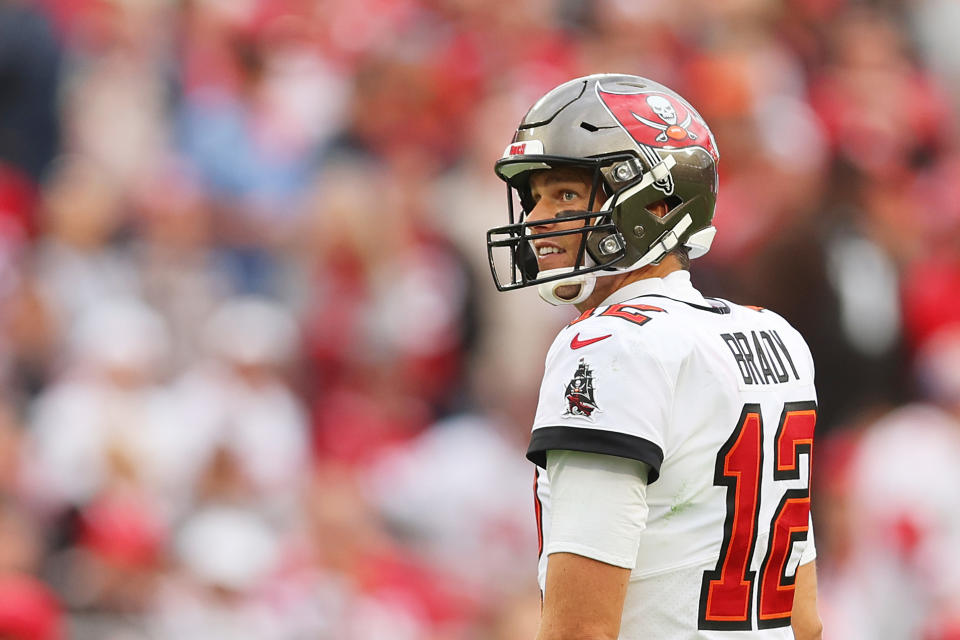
(726, 594)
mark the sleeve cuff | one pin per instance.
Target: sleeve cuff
(592, 553)
(611, 443)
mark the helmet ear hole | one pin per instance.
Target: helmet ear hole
(661, 208)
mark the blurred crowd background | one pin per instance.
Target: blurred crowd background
(255, 381)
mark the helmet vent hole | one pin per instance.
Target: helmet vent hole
(661, 208)
(589, 127)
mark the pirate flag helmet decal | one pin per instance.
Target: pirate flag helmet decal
(643, 144)
(660, 120)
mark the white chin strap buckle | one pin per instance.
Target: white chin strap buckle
(549, 291)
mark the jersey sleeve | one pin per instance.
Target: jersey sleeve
(607, 389)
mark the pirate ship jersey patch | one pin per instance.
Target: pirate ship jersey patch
(580, 394)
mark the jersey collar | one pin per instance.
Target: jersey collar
(674, 285)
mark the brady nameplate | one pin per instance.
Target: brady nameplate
(761, 356)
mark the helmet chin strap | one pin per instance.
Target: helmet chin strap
(584, 281)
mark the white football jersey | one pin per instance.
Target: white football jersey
(718, 399)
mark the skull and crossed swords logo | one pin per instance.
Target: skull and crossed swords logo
(669, 129)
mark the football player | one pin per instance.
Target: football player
(673, 438)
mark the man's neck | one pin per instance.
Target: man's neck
(606, 285)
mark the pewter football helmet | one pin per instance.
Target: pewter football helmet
(644, 144)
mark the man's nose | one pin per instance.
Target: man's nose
(541, 214)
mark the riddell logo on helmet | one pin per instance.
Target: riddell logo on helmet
(659, 120)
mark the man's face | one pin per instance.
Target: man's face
(567, 191)
(556, 192)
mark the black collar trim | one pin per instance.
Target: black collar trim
(716, 305)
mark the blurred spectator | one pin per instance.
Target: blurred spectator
(932, 277)
(931, 20)
(29, 610)
(389, 319)
(29, 340)
(29, 67)
(362, 582)
(248, 431)
(899, 578)
(223, 555)
(518, 617)
(21, 551)
(11, 450)
(620, 33)
(77, 263)
(107, 421)
(258, 103)
(115, 97)
(475, 523)
(179, 269)
(108, 575)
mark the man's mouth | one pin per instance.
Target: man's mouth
(543, 249)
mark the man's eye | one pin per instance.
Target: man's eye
(569, 196)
